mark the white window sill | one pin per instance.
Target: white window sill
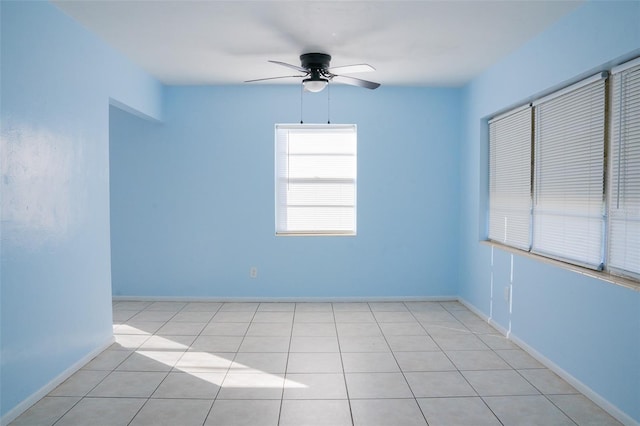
(601, 275)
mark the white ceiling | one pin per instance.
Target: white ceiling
(443, 43)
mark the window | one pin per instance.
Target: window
(624, 166)
(315, 179)
(558, 187)
(568, 190)
(510, 178)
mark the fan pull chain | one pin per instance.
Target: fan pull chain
(328, 103)
(301, 99)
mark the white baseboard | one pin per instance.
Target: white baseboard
(620, 415)
(481, 314)
(286, 299)
(23, 406)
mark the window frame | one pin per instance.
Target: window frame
(606, 271)
(623, 188)
(335, 186)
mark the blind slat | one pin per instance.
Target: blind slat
(568, 220)
(510, 178)
(624, 181)
(315, 179)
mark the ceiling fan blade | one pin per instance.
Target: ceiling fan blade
(350, 69)
(355, 81)
(275, 78)
(295, 67)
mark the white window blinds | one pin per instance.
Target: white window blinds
(568, 220)
(510, 178)
(624, 162)
(315, 172)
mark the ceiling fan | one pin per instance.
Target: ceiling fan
(317, 73)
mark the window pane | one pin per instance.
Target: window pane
(568, 220)
(624, 188)
(510, 179)
(316, 179)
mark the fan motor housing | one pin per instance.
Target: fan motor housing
(315, 61)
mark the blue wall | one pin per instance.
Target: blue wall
(56, 83)
(192, 199)
(588, 327)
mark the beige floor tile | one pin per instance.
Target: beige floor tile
(232, 316)
(139, 327)
(225, 329)
(46, 411)
(167, 343)
(402, 329)
(166, 306)
(424, 361)
(369, 362)
(277, 329)
(439, 384)
(205, 362)
(477, 360)
(363, 344)
(312, 329)
(358, 330)
(252, 386)
(181, 328)
(202, 307)
(547, 382)
(128, 384)
(107, 360)
(315, 413)
(80, 383)
(385, 412)
(313, 316)
(384, 316)
(268, 316)
(499, 382)
(172, 412)
(239, 307)
(102, 411)
(260, 362)
(306, 362)
(315, 386)
(314, 344)
(532, 410)
(151, 360)
(349, 316)
(466, 411)
(228, 412)
(351, 307)
(193, 316)
(459, 342)
(277, 307)
(412, 343)
(265, 344)
(388, 307)
(583, 411)
(314, 307)
(282, 363)
(518, 359)
(217, 343)
(377, 385)
(190, 385)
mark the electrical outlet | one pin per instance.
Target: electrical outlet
(507, 290)
(253, 272)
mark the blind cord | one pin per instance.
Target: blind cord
(328, 103)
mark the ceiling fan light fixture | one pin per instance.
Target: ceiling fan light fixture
(314, 85)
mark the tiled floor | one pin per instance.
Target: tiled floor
(400, 364)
